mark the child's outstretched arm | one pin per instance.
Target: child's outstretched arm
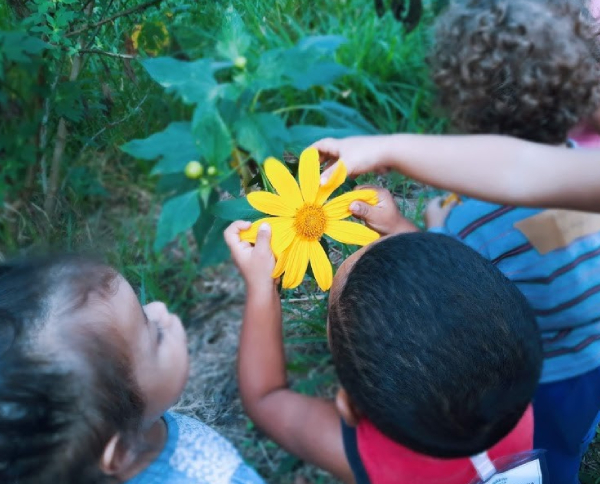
(494, 168)
(307, 427)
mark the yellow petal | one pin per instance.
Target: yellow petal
(270, 203)
(350, 232)
(296, 264)
(321, 266)
(281, 261)
(339, 207)
(333, 183)
(282, 232)
(283, 182)
(308, 174)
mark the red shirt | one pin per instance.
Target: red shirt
(387, 462)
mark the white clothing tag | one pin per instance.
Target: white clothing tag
(528, 473)
(483, 465)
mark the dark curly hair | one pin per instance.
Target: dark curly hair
(524, 68)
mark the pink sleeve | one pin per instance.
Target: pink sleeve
(595, 8)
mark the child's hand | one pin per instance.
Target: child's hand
(436, 213)
(360, 154)
(255, 263)
(384, 217)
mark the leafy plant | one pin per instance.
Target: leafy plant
(238, 118)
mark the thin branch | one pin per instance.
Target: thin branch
(108, 54)
(129, 11)
(111, 125)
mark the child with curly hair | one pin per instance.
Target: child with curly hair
(87, 375)
(524, 68)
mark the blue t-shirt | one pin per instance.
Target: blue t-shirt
(562, 286)
(196, 454)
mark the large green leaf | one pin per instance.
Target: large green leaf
(192, 81)
(174, 147)
(19, 47)
(309, 63)
(304, 135)
(236, 209)
(178, 214)
(215, 250)
(234, 39)
(262, 134)
(205, 222)
(213, 136)
(340, 116)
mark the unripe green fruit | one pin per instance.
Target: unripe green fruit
(211, 171)
(240, 62)
(194, 170)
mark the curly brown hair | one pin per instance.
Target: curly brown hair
(524, 68)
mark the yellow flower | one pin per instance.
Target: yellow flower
(301, 217)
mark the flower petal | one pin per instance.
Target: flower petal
(270, 203)
(283, 182)
(333, 183)
(296, 263)
(339, 207)
(321, 266)
(281, 261)
(282, 232)
(350, 232)
(309, 174)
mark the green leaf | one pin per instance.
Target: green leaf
(215, 250)
(309, 63)
(20, 47)
(321, 74)
(192, 81)
(236, 209)
(340, 116)
(212, 134)
(231, 184)
(325, 44)
(262, 134)
(234, 38)
(174, 147)
(178, 214)
(205, 222)
(303, 135)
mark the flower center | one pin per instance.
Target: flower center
(310, 222)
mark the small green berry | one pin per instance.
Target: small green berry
(194, 170)
(211, 171)
(204, 182)
(240, 62)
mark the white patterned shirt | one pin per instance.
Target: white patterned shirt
(196, 454)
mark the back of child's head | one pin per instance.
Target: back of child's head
(66, 383)
(524, 68)
(433, 345)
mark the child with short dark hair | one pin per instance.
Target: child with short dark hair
(437, 354)
(86, 378)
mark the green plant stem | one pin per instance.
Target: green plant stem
(255, 100)
(296, 107)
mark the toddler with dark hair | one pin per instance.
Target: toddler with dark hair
(86, 378)
(437, 354)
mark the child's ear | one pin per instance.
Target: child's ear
(117, 457)
(346, 408)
